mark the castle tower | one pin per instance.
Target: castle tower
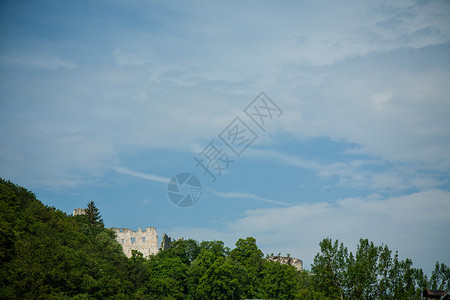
(166, 240)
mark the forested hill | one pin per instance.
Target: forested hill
(47, 254)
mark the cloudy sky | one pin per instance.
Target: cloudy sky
(108, 100)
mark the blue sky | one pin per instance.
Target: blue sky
(108, 100)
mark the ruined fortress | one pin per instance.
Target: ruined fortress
(295, 262)
(144, 241)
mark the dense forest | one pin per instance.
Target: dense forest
(47, 254)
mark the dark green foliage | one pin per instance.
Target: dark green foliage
(372, 273)
(329, 268)
(249, 257)
(440, 278)
(167, 277)
(93, 215)
(46, 254)
(221, 281)
(280, 281)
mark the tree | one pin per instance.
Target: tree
(249, 256)
(372, 273)
(247, 252)
(440, 278)
(167, 277)
(306, 288)
(187, 250)
(329, 268)
(221, 281)
(210, 251)
(46, 254)
(279, 281)
(93, 215)
(363, 271)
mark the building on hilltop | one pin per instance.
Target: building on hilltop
(144, 241)
(79, 211)
(297, 263)
(166, 240)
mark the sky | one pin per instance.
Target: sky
(109, 100)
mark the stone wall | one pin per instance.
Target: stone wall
(79, 211)
(297, 263)
(166, 240)
(144, 241)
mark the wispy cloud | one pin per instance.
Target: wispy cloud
(372, 173)
(239, 195)
(151, 177)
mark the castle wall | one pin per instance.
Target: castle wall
(144, 241)
(79, 211)
(297, 263)
(166, 240)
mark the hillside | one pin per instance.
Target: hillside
(47, 254)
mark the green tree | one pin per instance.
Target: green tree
(167, 277)
(220, 281)
(247, 253)
(363, 271)
(210, 251)
(249, 256)
(372, 273)
(440, 277)
(93, 215)
(279, 281)
(48, 254)
(329, 268)
(306, 288)
(187, 250)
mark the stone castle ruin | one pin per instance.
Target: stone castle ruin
(79, 211)
(166, 240)
(297, 263)
(144, 241)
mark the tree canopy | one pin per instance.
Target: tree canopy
(93, 215)
(47, 254)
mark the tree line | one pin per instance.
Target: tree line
(47, 254)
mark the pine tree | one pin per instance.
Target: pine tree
(93, 215)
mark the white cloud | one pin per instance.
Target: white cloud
(240, 195)
(414, 224)
(151, 177)
(345, 74)
(178, 86)
(370, 174)
(392, 105)
(374, 75)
